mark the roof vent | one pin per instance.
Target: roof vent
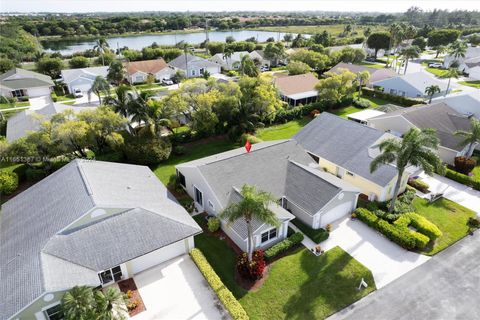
(129, 187)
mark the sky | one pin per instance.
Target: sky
(229, 5)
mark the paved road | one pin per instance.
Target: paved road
(446, 287)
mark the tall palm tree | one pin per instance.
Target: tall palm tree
(431, 90)
(253, 206)
(100, 84)
(101, 46)
(458, 49)
(410, 53)
(417, 148)
(227, 54)
(78, 303)
(470, 138)
(440, 49)
(362, 78)
(110, 304)
(451, 73)
(393, 29)
(367, 32)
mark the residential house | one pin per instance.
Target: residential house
(363, 116)
(90, 223)
(82, 78)
(345, 149)
(25, 121)
(471, 60)
(138, 71)
(281, 168)
(376, 74)
(19, 83)
(474, 72)
(298, 89)
(466, 103)
(196, 65)
(411, 85)
(259, 57)
(233, 62)
(438, 116)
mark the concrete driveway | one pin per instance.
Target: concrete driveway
(386, 260)
(39, 102)
(452, 190)
(446, 287)
(177, 290)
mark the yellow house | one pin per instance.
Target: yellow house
(345, 149)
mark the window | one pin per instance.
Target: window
(393, 91)
(18, 93)
(181, 179)
(110, 275)
(55, 312)
(139, 79)
(269, 235)
(202, 70)
(193, 73)
(314, 157)
(198, 196)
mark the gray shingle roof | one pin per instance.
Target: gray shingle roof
(68, 75)
(179, 62)
(31, 221)
(417, 80)
(345, 143)
(376, 74)
(24, 79)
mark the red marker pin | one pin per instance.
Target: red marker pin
(248, 146)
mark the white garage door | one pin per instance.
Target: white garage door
(37, 92)
(336, 213)
(156, 257)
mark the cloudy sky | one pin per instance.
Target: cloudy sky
(229, 5)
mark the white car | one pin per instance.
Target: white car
(435, 65)
(167, 82)
(77, 93)
(264, 68)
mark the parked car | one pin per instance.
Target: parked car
(167, 82)
(371, 59)
(264, 68)
(77, 93)
(435, 65)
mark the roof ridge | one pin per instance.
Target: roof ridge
(312, 173)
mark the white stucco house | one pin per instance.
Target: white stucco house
(471, 60)
(233, 62)
(18, 83)
(465, 103)
(138, 71)
(345, 149)
(90, 223)
(410, 85)
(82, 78)
(282, 168)
(196, 65)
(474, 73)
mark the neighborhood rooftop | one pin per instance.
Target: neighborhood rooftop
(181, 63)
(20, 79)
(298, 86)
(37, 234)
(376, 74)
(146, 66)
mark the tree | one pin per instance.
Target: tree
(274, 52)
(349, 55)
(287, 38)
(439, 49)
(410, 53)
(458, 49)
(362, 79)
(6, 65)
(420, 42)
(248, 67)
(110, 304)
(50, 66)
(116, 72)
(442, 37)
(297, 67)
(378, 40)
(227, 54)
(316, 61)
(101, 46)
(470, 138)
(79, 62)
(451, 73)
(216, 47)
(336, 87)
(69, 135)
(431, 90)
(254, 205)
(229, 39)
(100, 85)
(417, 148)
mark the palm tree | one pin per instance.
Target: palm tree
(101, 46)
(470, 138)
(458, 49)
(77, 303)
(110, 304)
(227, 54)
(367, 32)
(451, 73)
(248, 67)
(410, 53)
(287, 38)
(393, 29)
(417, 148)
(100, 84)
(440, 49)
(253, 206)
(431, 90)
(362, 78)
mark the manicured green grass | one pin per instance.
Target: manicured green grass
(303, 286)
(282, 131)
(438, 72)
(68, 102)
(474, 83)
(317, 235)
(67, 97)
(372, 65)
(476, 171)
(17, 104)
(334, 29)
(449, 216)
(375, 102)
(345, 111)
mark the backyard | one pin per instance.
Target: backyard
(345, 111)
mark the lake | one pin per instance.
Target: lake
(67, 47)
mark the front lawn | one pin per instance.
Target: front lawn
(14, 105)
(438, 72)
(345, 111)
(476, 171)
(450, 217)
(473, 83)
(317, 235)
(282, 131)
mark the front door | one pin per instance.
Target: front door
(198, 196)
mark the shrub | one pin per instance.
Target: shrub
(474, 222)
(251, 270)
(419, 185)
(465, 165)
(34, 174)
(146, 149)
(361, 103)
(179, 150)
(283, 246)
(226, 297)
(463, 179)
(404, 101)
(248, 137)
(424, 226)
(54, 97)
(8, 182)
(213, 224)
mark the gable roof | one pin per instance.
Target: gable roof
(292, 85)
(417, 80)
(23, 79)
(69, 75)
(31, 236)
(438, 116)
(376, 74)
(179, 62)
(467, 103)
(29, 120)
(145, 66)
(346, 143)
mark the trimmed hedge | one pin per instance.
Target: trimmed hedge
(463, 179)
(419, 185)
(407, 102)
(422, 224)
(226, 297)
(283, 246)
(8, 182)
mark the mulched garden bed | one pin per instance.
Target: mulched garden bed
(129, 287)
